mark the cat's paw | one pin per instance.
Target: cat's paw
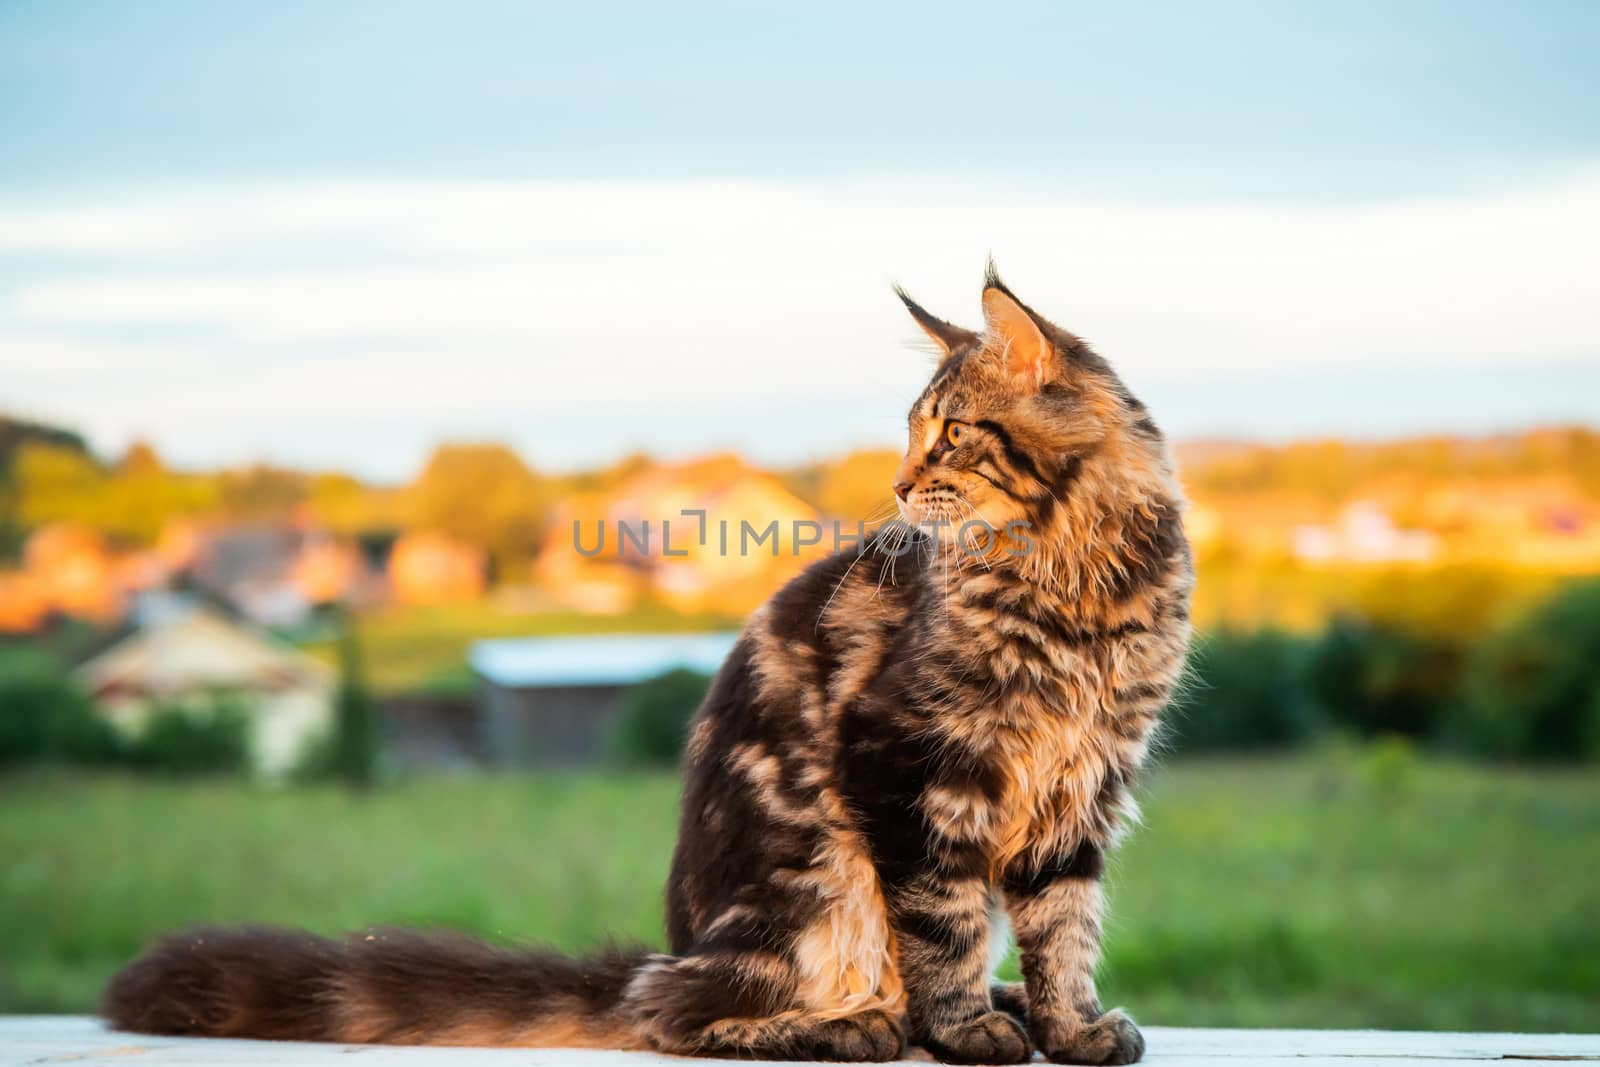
(1109, 1041)
(870, 1037)
(993, 1037)
(1011, 998)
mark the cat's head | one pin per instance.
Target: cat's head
(1023, 424)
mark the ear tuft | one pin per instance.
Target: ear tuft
(991, 277)
(947, 336)
(1016, 332)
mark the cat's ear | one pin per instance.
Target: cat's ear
(946, 336)
(1021, 337)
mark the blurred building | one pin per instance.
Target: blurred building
(752, 541)
(24, 602)
(433, 568)
(1364, 533)
(433, 731)
(553, 701)
(187, 655)
(74, 571)
(274, 574)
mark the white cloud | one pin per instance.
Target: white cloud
(237, 318)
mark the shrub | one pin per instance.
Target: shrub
(211, 737)
(350, 751)
(654, 721)
(1389, 766)
(1244, 691)
(1378, 680)
(45, 717)
(354, 750)
(1533, 690)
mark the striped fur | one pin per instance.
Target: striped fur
(904, 739)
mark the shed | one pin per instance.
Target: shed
(553, 701)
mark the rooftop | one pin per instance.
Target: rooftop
(183, 646)
(610, 659)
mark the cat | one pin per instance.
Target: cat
(907, 740)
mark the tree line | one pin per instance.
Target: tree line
(1529, 690)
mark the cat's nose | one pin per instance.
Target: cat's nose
(903, 489)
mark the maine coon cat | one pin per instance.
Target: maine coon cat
(906, 740)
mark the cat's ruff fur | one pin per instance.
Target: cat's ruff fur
(903, 739)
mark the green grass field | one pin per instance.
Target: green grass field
(1323, 891)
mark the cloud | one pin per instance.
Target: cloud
(251, 317)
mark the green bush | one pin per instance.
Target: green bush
(350, 751)
(45, 717)
(1244, 691)
(1378, 680)
(209, 737)
(354, 751)
(1533, 690)
(654, 722)
(1389, 767)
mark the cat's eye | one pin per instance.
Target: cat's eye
(955, 432)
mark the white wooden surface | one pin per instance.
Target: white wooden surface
(71, 1039)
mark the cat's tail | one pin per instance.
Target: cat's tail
(383, 987)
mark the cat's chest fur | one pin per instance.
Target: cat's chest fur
(1041, 728)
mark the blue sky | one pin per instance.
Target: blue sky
(546, 222)
(1285, 100)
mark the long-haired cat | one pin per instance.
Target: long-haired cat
(906, 741)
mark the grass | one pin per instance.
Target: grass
(1321, 891)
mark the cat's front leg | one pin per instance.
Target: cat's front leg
(941, 926)
(1055, 906)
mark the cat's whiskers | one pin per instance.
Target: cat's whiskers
(901, 533)
(862, 551)
(983, 556)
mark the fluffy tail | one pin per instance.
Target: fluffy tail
(385, 987)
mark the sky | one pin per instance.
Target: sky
(334, 235)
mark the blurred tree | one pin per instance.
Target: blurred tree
(262, 492)
(1243, 691)
(1332, 470)
(858, 487)
(601, 479)
(140, 458)
(348, 506)
(482, 494)
(205, 737)
(45, 717)
(14, 433)
(133, 503)
(654, 723)
(1456, 603)
(1533, 690)
(354, 750)
(56, 482)
(1378, 679)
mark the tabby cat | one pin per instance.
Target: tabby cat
(908, 742)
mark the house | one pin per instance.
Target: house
(24, 602)
(700, 540)
(427, 567)
(274, 574)
(74, 572)
(553, 701)
(1363, 533)
(183, 652)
